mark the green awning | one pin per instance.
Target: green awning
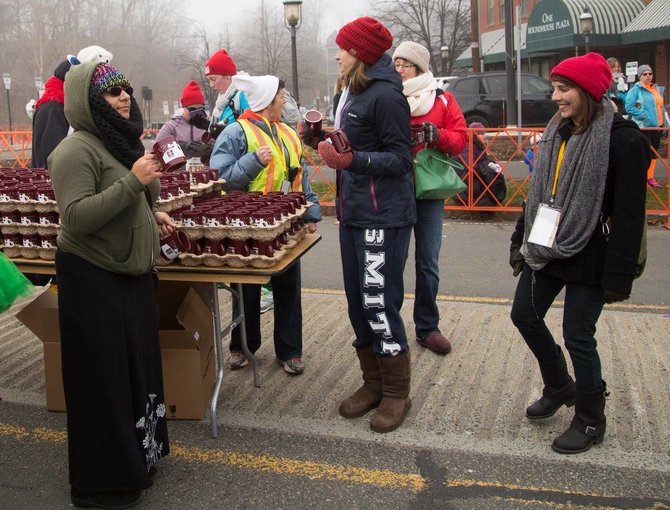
(652, 24)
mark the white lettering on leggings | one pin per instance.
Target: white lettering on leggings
(374, 261)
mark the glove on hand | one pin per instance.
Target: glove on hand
(198, 119)
(515, 259)
(334, 159)
(612, 296)
(430, 132)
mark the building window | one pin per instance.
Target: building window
(490, 13)
(524, 8)
(502, 11)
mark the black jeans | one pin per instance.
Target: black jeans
(583, 303)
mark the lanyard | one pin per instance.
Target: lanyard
(559, 163)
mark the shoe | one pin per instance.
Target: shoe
(111, 500)
(294, 366)
(237, 360)
(436, 342)
(653, 183)
(267, 300)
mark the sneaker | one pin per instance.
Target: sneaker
(436, 342)
(293, 366)
(653, 183)
(237, 360)
(267, 300)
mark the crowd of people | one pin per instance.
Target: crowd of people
(581, 230)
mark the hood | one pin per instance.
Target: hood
(621, 122)
(383, 70)
(77, 106)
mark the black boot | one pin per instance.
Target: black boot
(587, 427)
(559, 389)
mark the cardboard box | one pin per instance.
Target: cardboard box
(187, 347)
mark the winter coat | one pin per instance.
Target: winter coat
(447, 116)
(610, 261)
(641, 105)
(105, 215)
(49, 123)
(179, 127)
(377, 190)
(239, 167)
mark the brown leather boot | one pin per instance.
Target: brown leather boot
(369, 395)
(395, 393)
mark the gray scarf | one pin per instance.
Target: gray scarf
(581, 187)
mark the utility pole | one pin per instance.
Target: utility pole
(509, 63)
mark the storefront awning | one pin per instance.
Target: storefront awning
(652, 24)
(554, 24)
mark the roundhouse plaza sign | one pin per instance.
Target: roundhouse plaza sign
(549, 27)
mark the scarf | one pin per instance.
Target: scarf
(53, 91)
(120, 136)
(580, 189)
(420, 93)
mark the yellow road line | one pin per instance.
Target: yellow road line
(499, 301)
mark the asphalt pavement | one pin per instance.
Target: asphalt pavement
(465, 443)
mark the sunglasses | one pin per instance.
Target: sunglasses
(116, 91)
(194, 108)
(647, 74)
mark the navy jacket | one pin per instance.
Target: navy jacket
(377, 190)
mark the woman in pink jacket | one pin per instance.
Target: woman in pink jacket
(444, 129)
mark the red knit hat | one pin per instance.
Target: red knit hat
(191, 95)
(367, 37)
(591, 72)
(220, 63)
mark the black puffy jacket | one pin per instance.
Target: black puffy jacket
(377, 190)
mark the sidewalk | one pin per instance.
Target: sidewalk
(472, 399)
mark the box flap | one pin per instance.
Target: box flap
(195, 316)
(41, 316)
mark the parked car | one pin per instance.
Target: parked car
(482, 98)
(443, 81)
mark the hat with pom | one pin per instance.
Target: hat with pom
(591, 72)
(368, 38)
(106, 76)
(221, 63)
(191, 95)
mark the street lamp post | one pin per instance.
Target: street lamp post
(444, 53)
(292, 21)
(586, 26)
(8, 85)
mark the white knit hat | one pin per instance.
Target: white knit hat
(415, 53)
(260, 90)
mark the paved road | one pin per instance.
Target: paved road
(465, 444)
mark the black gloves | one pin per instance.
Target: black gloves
(515, 259)
(198, 118)
(430, 132)
(612, 296)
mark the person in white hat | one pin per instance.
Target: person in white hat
(259, 152)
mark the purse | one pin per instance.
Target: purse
(435, 175)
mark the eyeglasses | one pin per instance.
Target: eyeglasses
(404, 67)
(116, 91)
(647, 74)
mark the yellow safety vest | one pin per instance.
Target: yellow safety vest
(276, 172)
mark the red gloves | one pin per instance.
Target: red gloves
(334, 159)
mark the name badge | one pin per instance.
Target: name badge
(545, 226)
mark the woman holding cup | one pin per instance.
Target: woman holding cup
(106, 186)
(437, 122)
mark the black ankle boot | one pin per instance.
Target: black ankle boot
(559, 389)
(587, 427)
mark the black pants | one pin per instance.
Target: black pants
(373, 262)
(112, 376)
(535, 293)
(287, 315)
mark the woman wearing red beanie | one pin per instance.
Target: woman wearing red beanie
(376, 210)
(581, 230)
(184, 125)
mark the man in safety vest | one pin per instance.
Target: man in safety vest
(258, 152)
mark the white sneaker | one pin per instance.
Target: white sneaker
(267, 300)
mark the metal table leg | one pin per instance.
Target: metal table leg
(243, 335)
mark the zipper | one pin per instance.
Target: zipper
(340, 216)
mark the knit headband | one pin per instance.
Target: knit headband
(106, 76)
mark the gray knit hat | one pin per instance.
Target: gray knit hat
(415, 53)
(643, 69)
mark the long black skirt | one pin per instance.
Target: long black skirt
(112, 376)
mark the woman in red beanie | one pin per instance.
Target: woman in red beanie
(376, 210)
(581, 230)
(183, 125)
